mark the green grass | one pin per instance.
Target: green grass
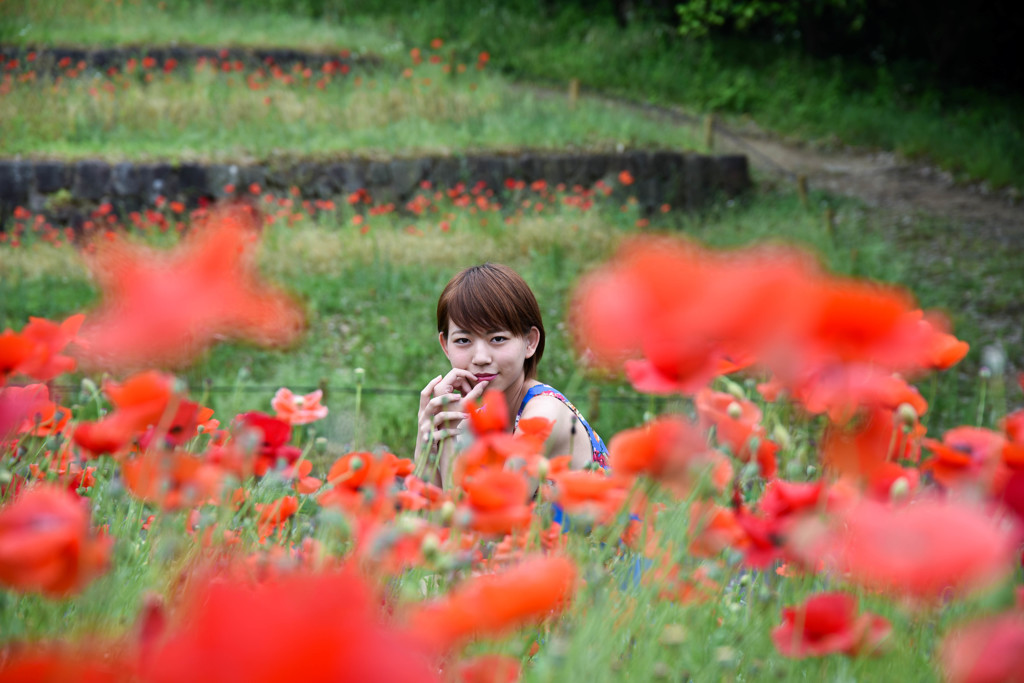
(975, 134)
(371, 299)
(135, 22)
(207, 114)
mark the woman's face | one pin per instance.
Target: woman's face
(497, 356)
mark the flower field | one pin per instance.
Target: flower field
(789, 514)
(206, 423)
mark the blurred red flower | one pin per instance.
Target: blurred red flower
(867, 450)
(923, 550)
(488, 669)
(318, 628)
(46, 543)
(29, 410)
(272, 440)
(590, 496)
(496, 501)
(737, 422)
(827, 623)
(491, 604)
(163, 308)
(667, 449)
(965, 455)
(140, 402)
(36, 350)
(172, 480)
(985, 651)
(490, 415)
(272, 516)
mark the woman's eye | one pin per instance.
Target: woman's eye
(498, 339)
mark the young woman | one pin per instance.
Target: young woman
(490, 329)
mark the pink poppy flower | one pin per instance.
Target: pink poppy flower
(298, 410)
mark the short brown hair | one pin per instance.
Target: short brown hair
(491, 297)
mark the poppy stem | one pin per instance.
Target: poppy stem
(984, 375)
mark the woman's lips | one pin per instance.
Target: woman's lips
(485, 378)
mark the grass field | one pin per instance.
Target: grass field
(975, 134)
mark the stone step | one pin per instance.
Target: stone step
(681, 180)
(55, 59)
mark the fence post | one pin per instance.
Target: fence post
(595, 403)
(830, 223)
(709, 132)
(574, 92)
(801, 190)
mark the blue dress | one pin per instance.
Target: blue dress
(600, 451)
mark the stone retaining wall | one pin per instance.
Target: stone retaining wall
(48, 59)
(686, 181)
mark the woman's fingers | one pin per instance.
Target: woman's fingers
(476, 392)
(456, 380)
(428, 391)
(449, 416)
(438, 403)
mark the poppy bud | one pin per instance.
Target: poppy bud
(672, 634)
(907, 414)
(733, 388)
(543, 467)
(899, 489)
(430, 546)
(780, 435)
(447, 511)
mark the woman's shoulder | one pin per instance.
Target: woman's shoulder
(547, 405)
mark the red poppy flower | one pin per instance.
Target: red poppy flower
(965, 454)
(184, 426)
(842, 390)
(273, 440)
(163, 308)
(15, 349)
(488, 669)
(985, 651)
(29, 410)
(827, 623)
(46, 544)
(591, 496)
(496, 501)
(325, 627)
(60, 663)
(877, 441)
(48, 340)
(490, 415)
(361, 482)
(737, 422)
(714, 528)
(272, 516)
(920, 550)
(668, 449)
(492, 604)
(139, 403)
(171, 480)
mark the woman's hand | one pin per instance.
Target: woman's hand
(442, 413)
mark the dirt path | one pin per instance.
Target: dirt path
(883, 181)
(880, 179)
